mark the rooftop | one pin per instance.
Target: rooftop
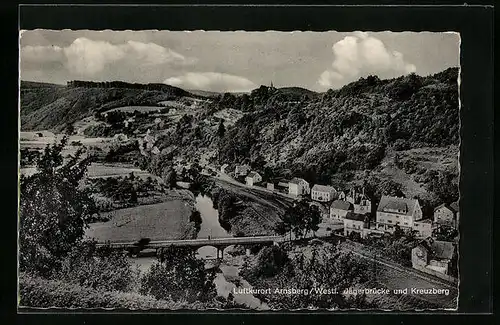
(342, 205)
(404, 205)
(439, 249)
(323, 188)
(297, 180)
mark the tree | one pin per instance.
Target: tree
(301, 218)
(69, 129)
(221, 130)
(170, 178)
(54, 209)
(179, 275)
(328, 268)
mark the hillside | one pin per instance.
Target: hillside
(52, 107)
(392, 136)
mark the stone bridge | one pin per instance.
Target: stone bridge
(219, 243)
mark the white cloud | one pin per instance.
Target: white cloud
(212, 81)
(41, 54)
(359, 56)
(88, 57)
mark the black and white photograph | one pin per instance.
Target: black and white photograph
(239, 170)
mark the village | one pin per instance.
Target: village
(357, 217)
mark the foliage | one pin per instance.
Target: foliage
(170, 178)
(270, 261)
(226, 206)
(54, 209)
(179, 276)
(101, 269)
(28, 157)
(42, 293)
(329, 268)
(396, 247)
(301, 218)
(443, 183)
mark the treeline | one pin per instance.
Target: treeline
(121, 84)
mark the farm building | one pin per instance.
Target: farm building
(323, 193)
(270, 186)
(223, 168)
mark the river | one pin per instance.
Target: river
(229, 267)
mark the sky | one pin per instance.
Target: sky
(233, 61)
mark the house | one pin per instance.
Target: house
(298, 186)
(241, 170)
(253, 178)
(423, 228)
(446, 215)
(323, 193)
(356, 222)
(392, 211)
(223, 168)
(339, 209)
(270, 186)
(433, 256)
(361, 202)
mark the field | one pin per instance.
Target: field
(96, 170)
(162, 221)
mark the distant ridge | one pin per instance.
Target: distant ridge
(121, 84)
(37, 84)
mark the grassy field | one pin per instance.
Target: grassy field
(162, 221)
(105, 170)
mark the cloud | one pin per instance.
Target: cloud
(212, 81)
(40, 54)
(88, 57)
(361, 55)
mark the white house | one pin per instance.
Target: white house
(339, 209)
(298, 186)
(323, 193)
(392, 211)
(253, 178)
(355, 222)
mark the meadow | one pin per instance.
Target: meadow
(162, 221)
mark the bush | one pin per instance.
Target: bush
(97, 268)
(42, 293)
(270, 261)
(179, 276)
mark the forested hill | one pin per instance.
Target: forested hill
(51, 107)
(350, 129)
